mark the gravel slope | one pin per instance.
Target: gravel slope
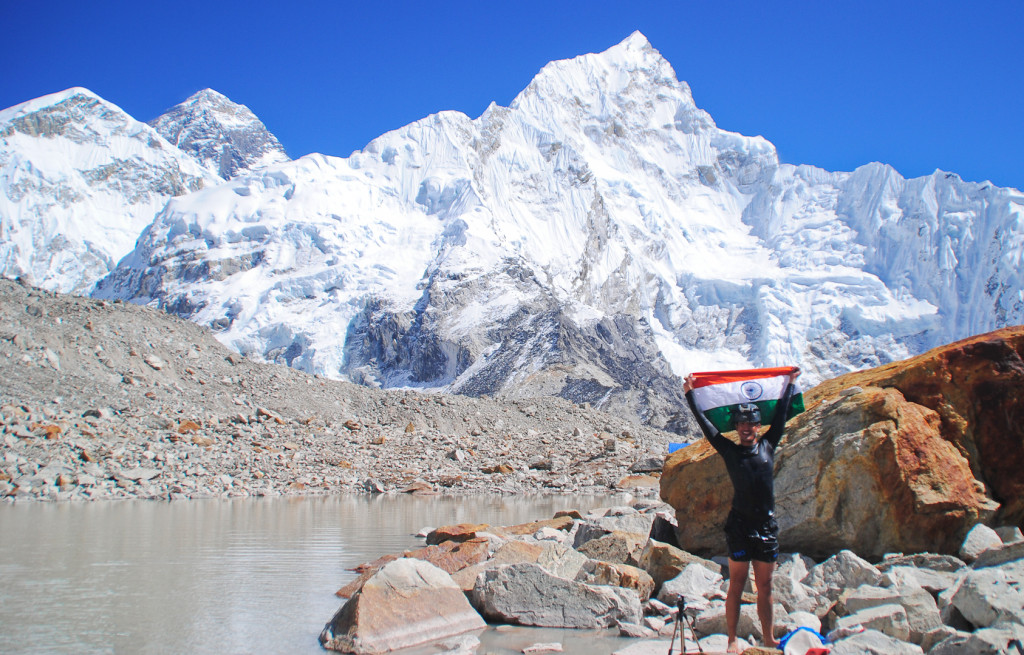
(112, 400)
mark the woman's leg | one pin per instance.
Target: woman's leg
(763, 572)
(737, 581)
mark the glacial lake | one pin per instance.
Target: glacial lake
(226, 577)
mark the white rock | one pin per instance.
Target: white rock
(992, 594)
(921, 611)
(932, 581)
(872, 642)
(1010, 534)
(937, 636)
(528, 594)
(888, 619)
(804, 620)
(978, 540)
(694, 584)
(842, 571)
(550, 534)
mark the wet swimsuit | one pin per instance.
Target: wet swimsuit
(750, 530)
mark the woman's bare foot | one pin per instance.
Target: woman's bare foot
(734, 647)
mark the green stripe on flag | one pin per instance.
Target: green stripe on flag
(721, 417)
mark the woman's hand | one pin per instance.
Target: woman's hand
(794, 374)
(688, 383)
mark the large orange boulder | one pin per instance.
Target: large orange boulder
(976, 386)
(904, 457)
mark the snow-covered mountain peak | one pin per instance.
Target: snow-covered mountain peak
(629, 79)
(224, 136)
(79, 179)
(76, 113)
(208, 97)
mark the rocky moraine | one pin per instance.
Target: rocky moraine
(111, 400)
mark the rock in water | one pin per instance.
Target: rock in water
(408, 602)
(527, 594)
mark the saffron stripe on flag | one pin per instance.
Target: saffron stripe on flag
(716, 392)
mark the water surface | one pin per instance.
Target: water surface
(222, 576)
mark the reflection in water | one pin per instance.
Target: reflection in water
(217, 576)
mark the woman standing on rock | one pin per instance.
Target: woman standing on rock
(751, 532)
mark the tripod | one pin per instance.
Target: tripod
(681, 630)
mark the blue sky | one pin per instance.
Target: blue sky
(918, 85)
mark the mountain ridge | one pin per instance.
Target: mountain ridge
(594, 240)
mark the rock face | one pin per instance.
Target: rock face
(974, 387)
(892, 459)
(408, 602)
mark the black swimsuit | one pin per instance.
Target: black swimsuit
(751, 531)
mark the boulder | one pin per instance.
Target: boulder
(893, 465)
(634, 631)
(449, 556)
(527, 594)
(406, 603)
(718, 643)
(789, 590)
(459, 532)
(922, 614)
(452, 556)
(997, 556)
(931, 561)
(842, 571)
(695, 585)
(596, 572)
(616, 547)
(1010, 534)
(517, 552)
(1004, 639)
(558, 559)
(626, 520)
(979, 539)
(550, 534)
(561, 560)
(992, 595)
(712, 621)
(804, 620)
(951, 645)
(974, 385)
(366, 571)
(939, 635)
(665, 562)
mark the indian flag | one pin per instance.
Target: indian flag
(716, 392)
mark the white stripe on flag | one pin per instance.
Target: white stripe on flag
(734, 393)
